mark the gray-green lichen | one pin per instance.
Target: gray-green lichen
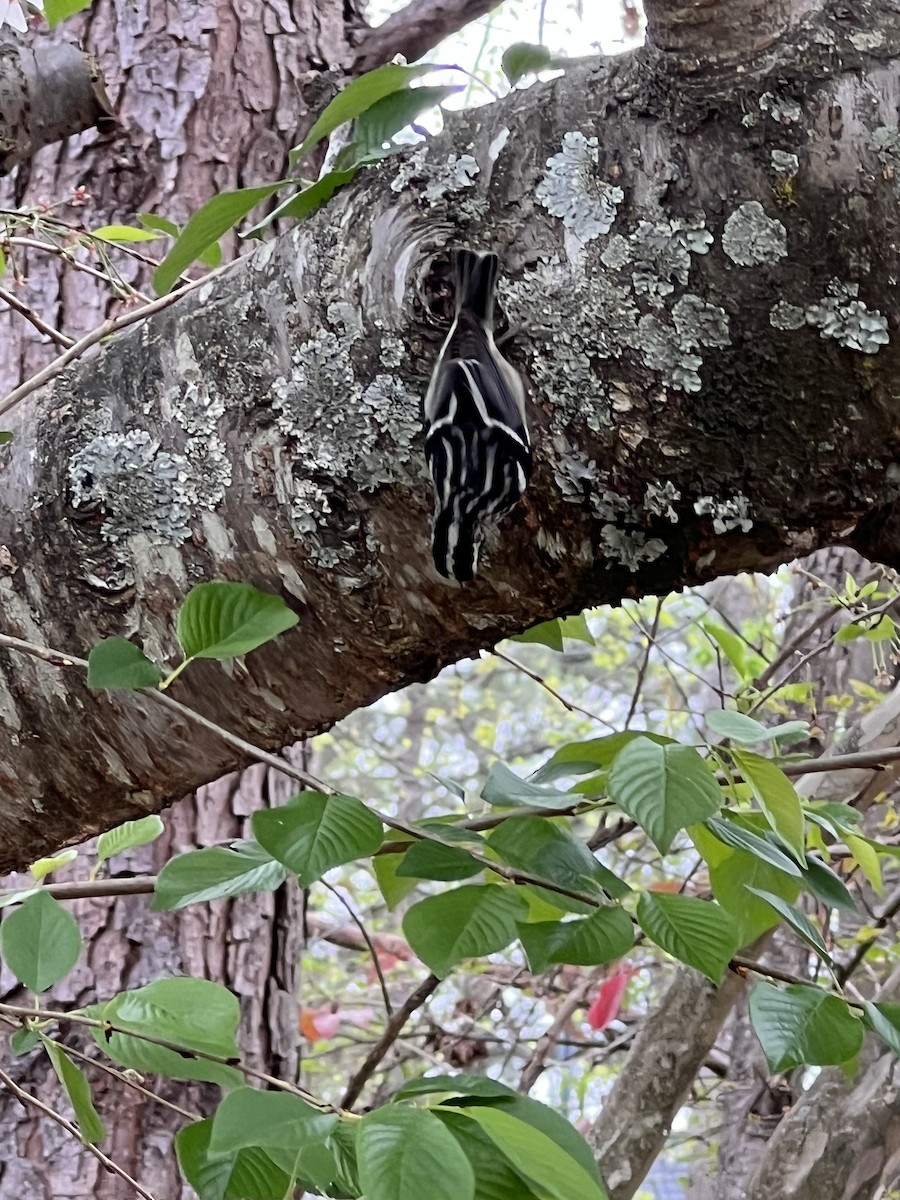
(572, 191)
(337, 428)
(726, 514)
(750, 238)
(577, 318)
(786, 316)
(782, 110)
(659, 500)
(137, 487)
(885, 142)
(659, 252)
(630, 547)
(454, 174)
(699, 323)
(581, 481)
(662, 350)
(785, 163)
(840, 315)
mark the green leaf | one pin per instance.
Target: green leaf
(504, 789)
(803, 1026)
(203, 875)
(57, 10)
(733, 647)
(41, 942)
(696, 932)
(407, 1154)
(539, 1158)
(522, 59)
(206, 226)
(663, 788)
(394, 112)
(227, 1176)
(306, 201)
(550, 851)
(884, 1019)
(495, 1176)
(159, 224)
(548, 633)
(732, 873)
(866, 854)
(270, 1120)
(123, 233)
(797, 920)
(46, 866)
(478, 1089)
(193, 1014)
(5, 436)
(733, 834)
(584, 758)
(24, 1040)
(737, 727)
(78, 1090)
(316, 832)
(469, 922)
(128, 836)
(576, 629)
(118, 663)
(355, 99)
(600, 938)
(392, 888)
(827, 886)
(211, 256)
(223, 620)
(776, 797)
(431, 860)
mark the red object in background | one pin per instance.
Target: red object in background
(609, 999)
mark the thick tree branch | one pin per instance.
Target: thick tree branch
(415, 30)
(47, 94)
(712, 389)
(724, 31)
(663, 1060)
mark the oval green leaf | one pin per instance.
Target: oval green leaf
(406, 1153)
(222, 620)
(209, 874)
(117, 663)
(696, 932)
(468, 922)
(316, 832)
(41, 942)
(663, 788)
(803, 1026)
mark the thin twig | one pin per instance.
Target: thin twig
(358, 922)
(567, 704)
(36, 320)
(537, 1062)
(645, 661)
(109, 1027)
(91, 339)
(394, 1028)
(28, 1101)
(888, 912)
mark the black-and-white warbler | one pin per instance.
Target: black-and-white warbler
(476, 440)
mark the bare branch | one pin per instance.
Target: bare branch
(415, 30)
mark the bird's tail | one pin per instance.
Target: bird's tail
(476, 278)
(455, 541)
